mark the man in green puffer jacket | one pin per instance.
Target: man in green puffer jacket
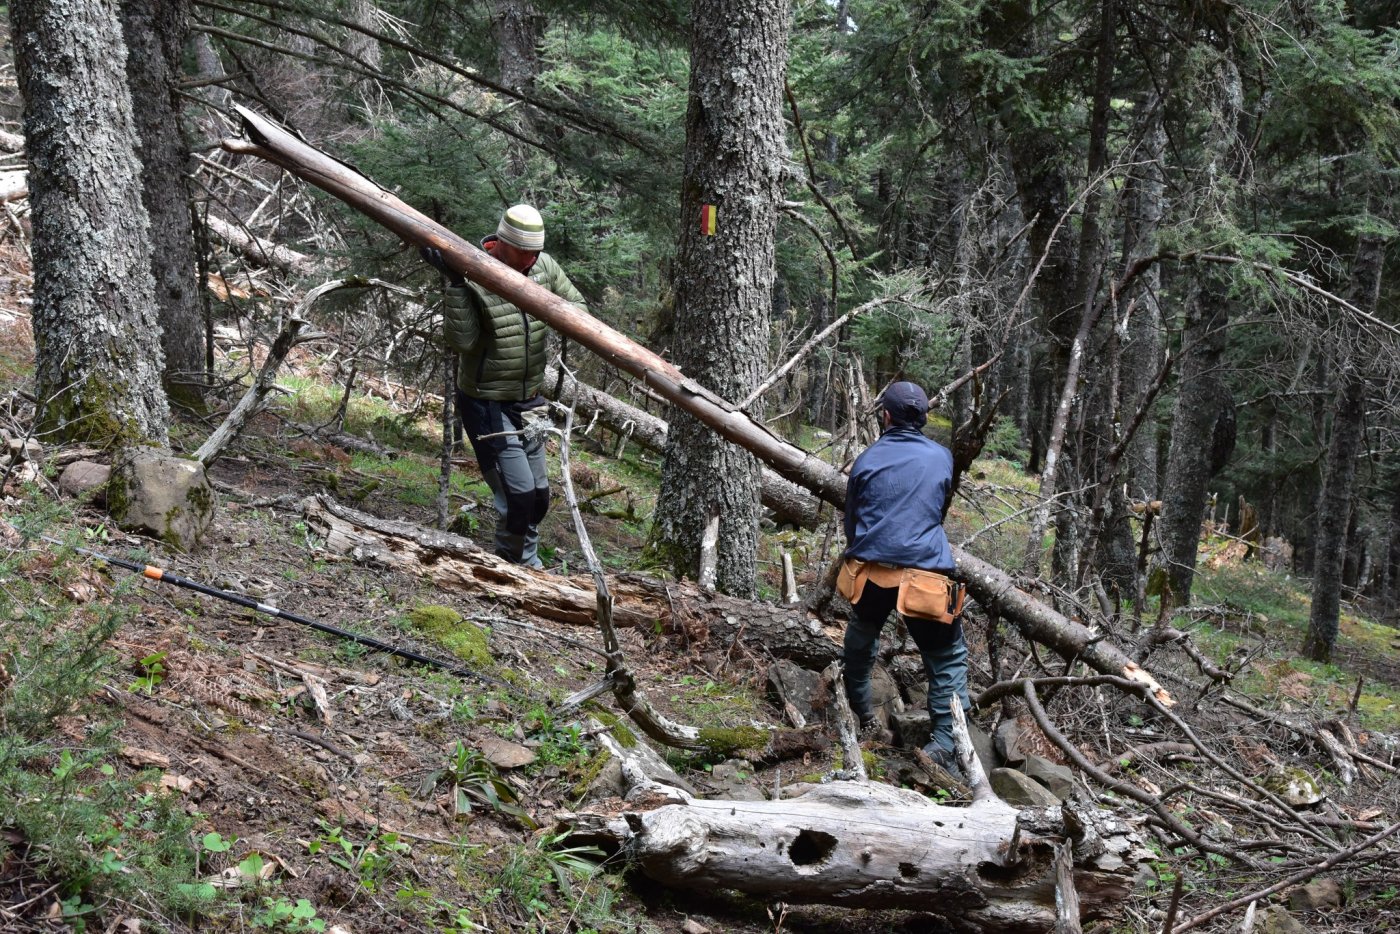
(499, 374)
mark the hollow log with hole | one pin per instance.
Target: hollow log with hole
(983, 868)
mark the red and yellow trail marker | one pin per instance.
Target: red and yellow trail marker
(708, 214)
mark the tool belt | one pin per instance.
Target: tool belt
(922, 594)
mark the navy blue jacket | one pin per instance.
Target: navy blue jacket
(896, 500)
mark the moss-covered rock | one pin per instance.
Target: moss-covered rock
(169, 497)
(463, 638)
(1294, 785)
(590, 773)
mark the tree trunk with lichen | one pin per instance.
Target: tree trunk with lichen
(733, 165)
(155, 33)
(1202, 433)
(98, 359)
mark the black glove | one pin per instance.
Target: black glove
(433, 257)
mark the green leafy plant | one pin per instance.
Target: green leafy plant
(281, 914)
(371, 861)
(557, 745)
(215, 842)
(152, 673)
(473, 780)
(568, 863)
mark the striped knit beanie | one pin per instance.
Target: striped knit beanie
(522, 227)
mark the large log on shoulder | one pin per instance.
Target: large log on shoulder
(456, 563)
(990, 586)
(984, 868)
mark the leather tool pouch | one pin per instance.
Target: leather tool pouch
(850, 580)
(929, 595)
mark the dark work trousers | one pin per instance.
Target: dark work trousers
(941, 645)
(513, 467)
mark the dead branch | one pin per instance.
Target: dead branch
(1296, 879)
(252, 400)
(629, 699)
(815, 340)
(789, 502)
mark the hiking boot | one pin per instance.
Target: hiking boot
(945, 759)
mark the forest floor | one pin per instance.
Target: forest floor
(373, 807)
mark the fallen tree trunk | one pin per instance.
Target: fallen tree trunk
(14, 186)
(989, 585)
(789, 502)
(456, 563)
(259, 250)
(983, 868)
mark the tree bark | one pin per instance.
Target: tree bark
(1088, 261)
(1390, 572)
(1138, 338)
(1199, 400)
(735, 153)
(517, 26)
(1335, 503)
(98, 359)
(1203, 404)
(155, 33)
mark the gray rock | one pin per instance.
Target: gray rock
(608, 783)
(1276, 920)
(82, 477)
(1020, 790)
(909, 672)
(24, 449)
(1294, 786)
(1319, 893)
(1008, 744)
(1057, 778)
(885, 693)
(169, 497)
(504, 754)
(733, 779)
(911, 728)
(788, 681)
(986, 753)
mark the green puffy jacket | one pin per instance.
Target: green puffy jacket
(501, 348)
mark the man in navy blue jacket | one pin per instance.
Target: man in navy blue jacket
(896, 499)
